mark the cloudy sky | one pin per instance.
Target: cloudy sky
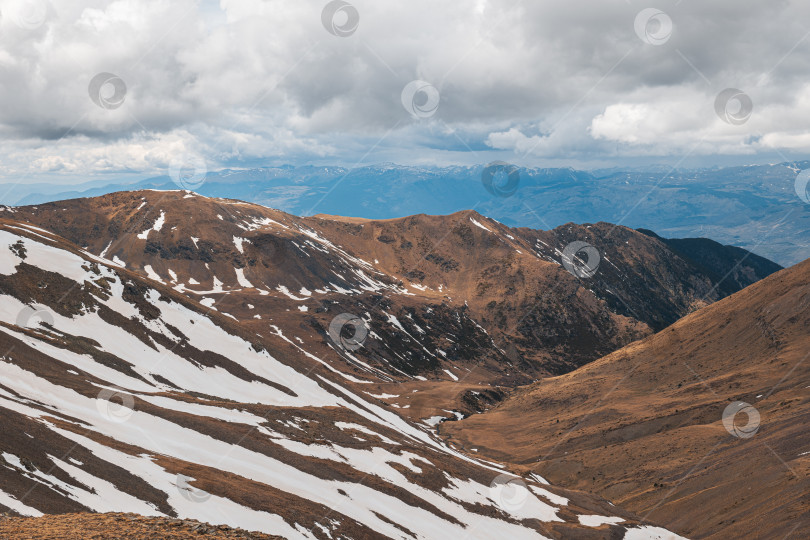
(94, 89)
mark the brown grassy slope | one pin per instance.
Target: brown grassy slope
(113, 526)
(480, 304)
(439, 260)
(642, 426)
(50, 416)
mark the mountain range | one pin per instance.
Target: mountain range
(120, 393)
(202, 358)
(759, 208)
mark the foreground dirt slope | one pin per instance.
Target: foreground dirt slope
(644, 426)
(114, 526)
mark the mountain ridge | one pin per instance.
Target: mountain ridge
(250, 255)
(119, 393)
(740, 206)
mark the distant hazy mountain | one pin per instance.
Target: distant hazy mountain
(753, 207)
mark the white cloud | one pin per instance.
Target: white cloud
(248, 80)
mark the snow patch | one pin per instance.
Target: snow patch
(596, 521)
(238, 242)
(158, 225)
(241, 279)
(477, 224)
(151, 274)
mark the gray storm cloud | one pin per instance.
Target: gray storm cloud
(241, 81)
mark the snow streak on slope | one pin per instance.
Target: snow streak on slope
(122, 396)
(442, 295)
